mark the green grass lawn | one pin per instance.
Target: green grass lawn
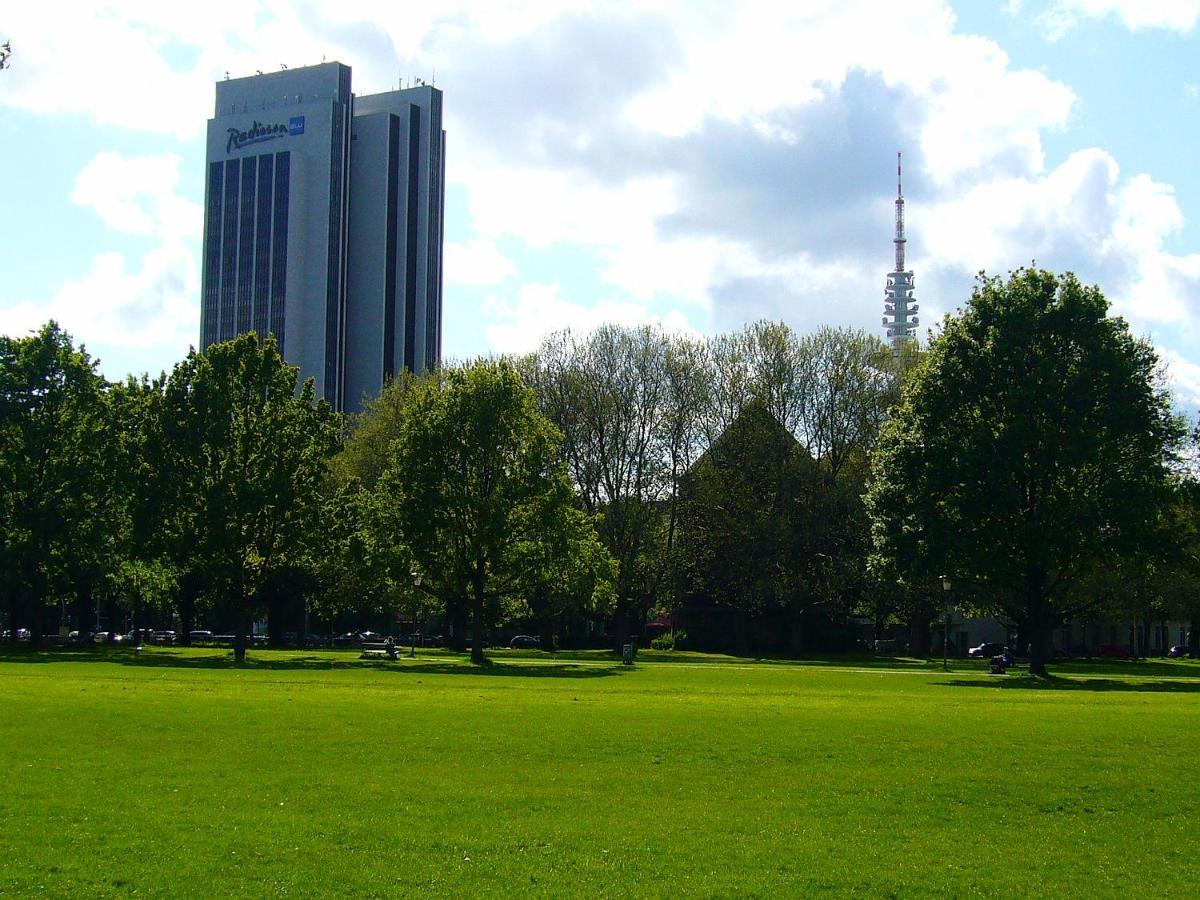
(173, 773)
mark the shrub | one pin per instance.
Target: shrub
(669, 640)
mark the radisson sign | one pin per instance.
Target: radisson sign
(258, 132)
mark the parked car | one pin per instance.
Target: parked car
(200, 636)
(524, 642)
(164, 637)
(987, 650)
(1114, 651)
(1177, 652)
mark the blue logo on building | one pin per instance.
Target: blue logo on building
(296, 125)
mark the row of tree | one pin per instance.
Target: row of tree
(1030, 455)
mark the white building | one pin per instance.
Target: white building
(323, 225)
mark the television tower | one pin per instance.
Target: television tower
(899, 310)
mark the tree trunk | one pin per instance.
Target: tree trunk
(1194, 636)
(477, 605)
(621, 625)
(37, 610)
(1039, 624)
(189, 590)
(546, 632)
(1039, 648)
(110, 614)
(37, 623)
(85, 609)
(741, 632)
(14, 613)
(797, 635)
(241, 626)
(134, 607)
(919, 634)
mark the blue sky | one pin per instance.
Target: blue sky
(697, 164)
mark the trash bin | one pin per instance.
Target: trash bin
(627, 654)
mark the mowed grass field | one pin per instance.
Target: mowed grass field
(174, 773)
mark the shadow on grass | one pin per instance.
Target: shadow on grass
(1057, 683)
(267, 661)
(1119, 668)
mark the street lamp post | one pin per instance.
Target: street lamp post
(416, 577)
(946, 624)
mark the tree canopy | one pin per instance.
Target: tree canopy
(1032, 443)
(241, 457)
(477, 492)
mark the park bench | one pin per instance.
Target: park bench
(378, 651)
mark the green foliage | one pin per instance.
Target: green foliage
(58, 509)
(364, 453)
(1032, 444)
(475, 493)
(669, 640)
(240, 458)
(738, 515)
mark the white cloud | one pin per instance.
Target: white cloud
(539, 309)
(1168, 15)
(1080, 216)
(1184, 377)
(138, 195)
(477, 263)
(147, 305)
(673, 141)
(150, 306)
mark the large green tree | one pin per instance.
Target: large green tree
(240, 457)
(475, 491)
(54, 484)
(1032, 444)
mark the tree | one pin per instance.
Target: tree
(475, 489)
(611, 395)
(1032, 443)
(240, 461)
(53, 474)
(740, 518)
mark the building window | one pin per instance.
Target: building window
(262, 246)
(229, 248)
(279, 238)
(245, 283)
(210, 311)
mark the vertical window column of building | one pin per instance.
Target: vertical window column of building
(210, 317)
(391, 250)
(262, 247)
(412, 227)
(335, 291)
(229, 249)
(433, 261)
(279, 239)
(245, 282)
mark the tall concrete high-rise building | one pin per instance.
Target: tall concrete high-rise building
(899, 305)
(323, 226)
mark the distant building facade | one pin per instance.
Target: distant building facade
(324, 224)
